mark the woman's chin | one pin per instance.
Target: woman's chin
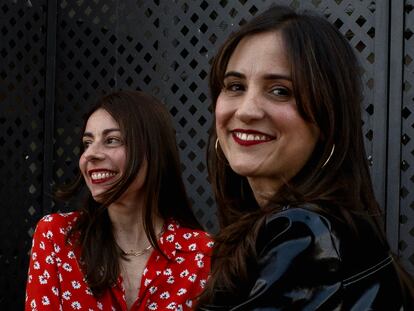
(243, 170)
(98, 196)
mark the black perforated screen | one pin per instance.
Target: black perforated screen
(58, 56)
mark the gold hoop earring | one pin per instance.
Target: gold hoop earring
(219, 156)
(330, 155)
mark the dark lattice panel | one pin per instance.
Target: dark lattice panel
(356, 20)
(149, 48)
(164, 48)
(406, 243)
(22, 74)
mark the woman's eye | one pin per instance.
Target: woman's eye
(86, 144)
(234, 87)
(113, 141)
(280, 92)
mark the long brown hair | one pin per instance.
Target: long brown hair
(328, 92)
(148, 134)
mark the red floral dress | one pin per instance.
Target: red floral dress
(55, 281)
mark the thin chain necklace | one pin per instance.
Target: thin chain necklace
(135, 253)
(139, 253)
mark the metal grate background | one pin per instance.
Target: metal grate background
(406, 241)
(22, 104)
(58, 56)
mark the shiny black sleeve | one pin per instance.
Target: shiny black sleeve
(298, 264)
(307, 261)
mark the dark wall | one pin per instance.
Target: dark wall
(58, 56)
(22, 117)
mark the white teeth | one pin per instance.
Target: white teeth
(97, 176)
(251, 137)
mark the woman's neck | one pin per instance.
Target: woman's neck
(127, 224)
(264, 189)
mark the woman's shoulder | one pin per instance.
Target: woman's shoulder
(188, 239)
(309, 217)
(56, 223)
(303, 228)
(302, 212)
(355, 240)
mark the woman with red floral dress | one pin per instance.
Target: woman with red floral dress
(134, 244)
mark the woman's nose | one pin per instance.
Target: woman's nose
(250, 107)
(93, 152)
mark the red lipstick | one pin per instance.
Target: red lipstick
(250, 137)
(99, 176)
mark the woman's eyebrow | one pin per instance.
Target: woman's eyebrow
(234, 74)
(270, 76)
(277, 76)
(104, 132)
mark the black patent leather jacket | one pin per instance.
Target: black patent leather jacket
(308, 261)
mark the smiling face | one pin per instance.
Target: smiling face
(258, 125)
(103, 161)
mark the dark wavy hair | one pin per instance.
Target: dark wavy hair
(328, 91)
(148, 133)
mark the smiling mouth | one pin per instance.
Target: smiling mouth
(98, 177)
(249, 139)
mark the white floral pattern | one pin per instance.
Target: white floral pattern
(55, 281)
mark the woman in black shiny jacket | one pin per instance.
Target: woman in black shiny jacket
(300, 226)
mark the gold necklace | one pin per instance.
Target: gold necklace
(139, 253)
(135, 253)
